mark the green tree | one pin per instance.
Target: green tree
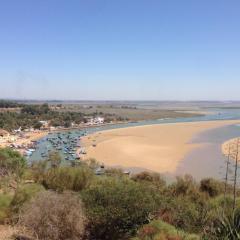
(11, 162)
(117, 207)
(37, 125)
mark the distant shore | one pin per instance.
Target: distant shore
(157, 148)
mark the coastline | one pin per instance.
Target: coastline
(157, 148)
(23, 141)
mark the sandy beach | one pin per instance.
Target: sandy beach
(157, 148)
(26, 139)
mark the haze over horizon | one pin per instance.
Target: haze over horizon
(120, 50)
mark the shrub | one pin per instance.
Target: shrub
(117, 207)
(11, 162)
(184, 186)
(37, 171)
(23, 194)
(54, 216)
(5, 201)
(115, 172)
(159, 230)
(185, 212)
(153, 178)
(68, 178)
(226, 227)
(55, 159)
(211, 186)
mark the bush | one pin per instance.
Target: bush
(184, 186)
(159, 230)
(186, 212)
(24, 194)
(150, 178)
(5, 201)
(54, 216)
(117, 207)
(226, 227)
(211, 186)
(11, 162)
(68, 178)
(37, 171)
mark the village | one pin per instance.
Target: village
(24, 140)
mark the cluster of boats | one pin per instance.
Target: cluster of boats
(66, 143)
(26, 149)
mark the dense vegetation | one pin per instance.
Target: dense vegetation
(11, 163)
(48, 201)
(30, 115)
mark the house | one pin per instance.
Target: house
(99, 120)
(45, 124)
(95, 121)
(18, 130)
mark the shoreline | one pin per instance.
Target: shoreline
(22, 142)
(158, 147)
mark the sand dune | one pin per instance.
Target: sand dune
(155, 147)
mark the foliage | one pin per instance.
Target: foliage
(5, 201)
(30, 115)
(55, 159)
(9, 104)
(54, 216)
(184, 186)
(184, 206)
(159, 230)
(37, 125)
(150, 178)
(227, 227)
(183, 212)
(68, 178)
(23, 194)
(37, 171)
(11, 162)
(116, 207)
(211, 186)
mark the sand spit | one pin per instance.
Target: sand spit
(157, 148)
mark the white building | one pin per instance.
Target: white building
(95, 121)
(44, 124)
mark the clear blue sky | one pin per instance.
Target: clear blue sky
(120, 49)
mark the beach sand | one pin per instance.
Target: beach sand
(32, 136)
(158, 148)
(26, 139)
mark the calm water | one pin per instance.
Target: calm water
(208, 160)
(200, 163)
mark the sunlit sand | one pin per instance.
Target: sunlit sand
(157, 148)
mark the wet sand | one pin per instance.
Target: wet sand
(159, 148)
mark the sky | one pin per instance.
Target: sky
(120, 49)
